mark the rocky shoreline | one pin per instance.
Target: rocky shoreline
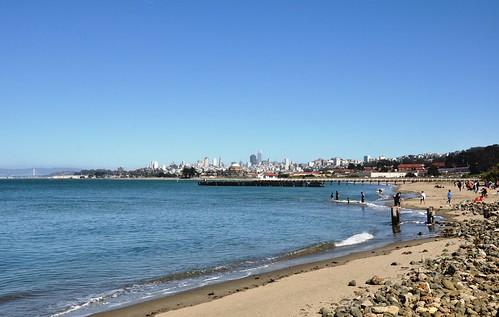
(462, 283)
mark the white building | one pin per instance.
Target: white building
(287, 162)
(154, 165)
(387, 174)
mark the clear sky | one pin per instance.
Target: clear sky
(121, 83)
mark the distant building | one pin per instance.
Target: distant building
(287, 162)
(215, 162)
(454, 170)
(411, 167)
(253, 160)
(268, 175)
(259, 157)
(235, 170)
(367, 159)
(337, 161)
(387, 174)
(154, 165)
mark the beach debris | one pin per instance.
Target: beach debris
(352, 283)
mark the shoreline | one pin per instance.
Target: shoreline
(212, 292)
(208, 293)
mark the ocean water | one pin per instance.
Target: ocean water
(76, 247)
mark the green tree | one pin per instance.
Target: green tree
(492, 174)
(433, 171)
(188, 172)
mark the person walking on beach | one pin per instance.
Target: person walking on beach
(422, 197)
(459, 185)
(337, 196)
(449, 196)
(362, 197)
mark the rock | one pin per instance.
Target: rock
(448, 284)
(326, 312)
(366, 303)
(424, 288)
(375, 280)
(356, 312)
(432, 310)
(451, 269)
(352, 283)
(394, 310)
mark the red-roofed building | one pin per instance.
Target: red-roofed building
(411, 168)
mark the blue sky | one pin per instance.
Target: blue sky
(120, 83)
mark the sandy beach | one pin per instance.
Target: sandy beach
(304, 289)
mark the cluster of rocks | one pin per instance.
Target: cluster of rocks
(481, 208)
(463, 283)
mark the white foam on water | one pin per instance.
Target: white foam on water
(355, 239)
(80, 306)
(212, 278)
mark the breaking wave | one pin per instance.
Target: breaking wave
(355, 239)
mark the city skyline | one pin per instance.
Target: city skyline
(106, 84)
(258, 156)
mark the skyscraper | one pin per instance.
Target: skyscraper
(253, 159)
(259, 157)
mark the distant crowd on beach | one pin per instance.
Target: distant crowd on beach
(469, 185)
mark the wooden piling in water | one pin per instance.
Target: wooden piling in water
(395, 213)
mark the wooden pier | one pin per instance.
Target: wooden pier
(263, 182)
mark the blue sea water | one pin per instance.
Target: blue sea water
(76, 247)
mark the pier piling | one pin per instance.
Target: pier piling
(395, 213)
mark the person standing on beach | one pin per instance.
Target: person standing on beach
(337, 196)
(423, 197)
(362, 197)
(449, 196)
(459, 185)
